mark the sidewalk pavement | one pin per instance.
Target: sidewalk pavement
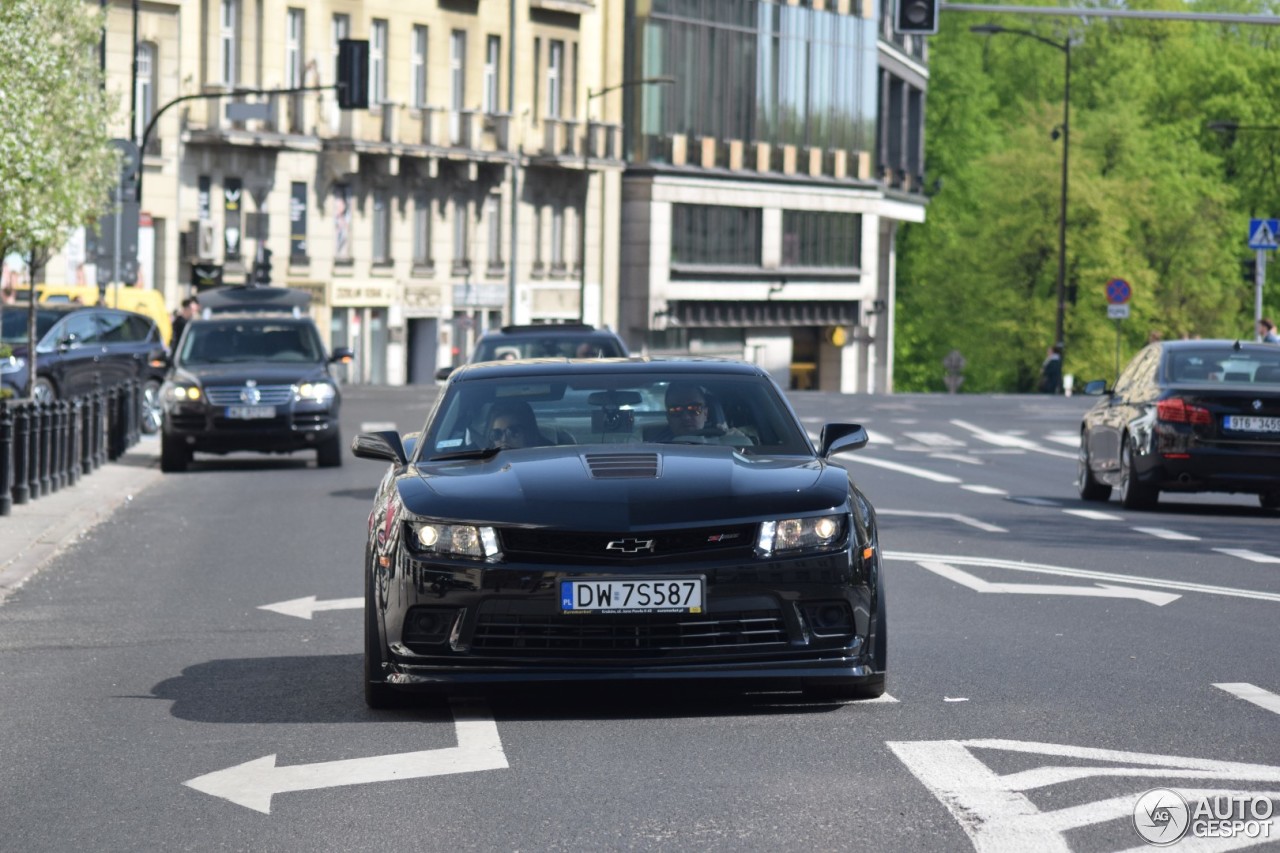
(35, 532)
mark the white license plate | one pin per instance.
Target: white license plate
(1250, 423)
(250, 413)
(638, 595)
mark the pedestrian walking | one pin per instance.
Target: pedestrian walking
(1051, 371)
(190, 308)
(1267, 331)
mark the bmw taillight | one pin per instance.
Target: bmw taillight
(1176, 410)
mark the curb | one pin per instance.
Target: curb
(36, 532)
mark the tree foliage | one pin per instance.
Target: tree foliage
(1156, 197)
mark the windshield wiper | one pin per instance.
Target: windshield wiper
(482, 453)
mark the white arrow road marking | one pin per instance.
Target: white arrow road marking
(977, 584)
(998, 817)
(304, 607)
(1111, 577)
(954, 516)
(1252, 693)
(1161, 533)
(904, 469)
(1093, 514)
(254, 783)
(1246, 554)
(1002, 439)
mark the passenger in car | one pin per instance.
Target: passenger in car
(512, 425)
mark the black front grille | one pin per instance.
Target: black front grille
(543, 545)
(500, 630)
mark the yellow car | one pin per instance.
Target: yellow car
(149, 303)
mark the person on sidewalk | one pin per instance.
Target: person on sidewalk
(1051, 371)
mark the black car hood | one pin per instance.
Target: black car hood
(263, 374)
(555, 486)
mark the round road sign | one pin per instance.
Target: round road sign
(1118, 291)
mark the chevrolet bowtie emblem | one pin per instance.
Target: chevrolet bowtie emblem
(630, 546)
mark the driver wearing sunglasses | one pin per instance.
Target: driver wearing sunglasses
(512, 425)
(688, 413)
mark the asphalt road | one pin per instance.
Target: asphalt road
(1050, 661)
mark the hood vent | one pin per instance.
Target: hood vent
(609, 466)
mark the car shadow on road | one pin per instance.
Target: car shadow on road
(219, 463)
(328, 689)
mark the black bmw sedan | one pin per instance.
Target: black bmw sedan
(567, 520)
(1185, 416)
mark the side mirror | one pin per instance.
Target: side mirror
(66, 343)
(841, 438)
(159, 358)
(1096, 388)
(385, 446)
(443, 373)
(342, 355)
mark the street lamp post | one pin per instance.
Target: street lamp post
(1065, 47)
(586, 173)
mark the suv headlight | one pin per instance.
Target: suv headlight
(454, 540)
(12, 364)
(320, 392)
(792, 535)
(183, 394)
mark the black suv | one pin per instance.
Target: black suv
(256, 380)
(81, 349)
(550, 340)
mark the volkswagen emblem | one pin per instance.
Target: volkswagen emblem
(630, 546)
(250, 395)
(1257, 405)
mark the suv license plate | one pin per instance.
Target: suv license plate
(1250, 423)
(250, 413)
(633, 595)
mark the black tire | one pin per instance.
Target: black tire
(1088, 486)
(1133, 494)
(329, 452)
(150, 408)
(1269, 500)
(175, 456)
(377, 695)
(43, 391)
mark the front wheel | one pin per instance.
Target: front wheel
(43, 391)
(175, 456)
(377, 695)
(1133, 494)
(329, 453)
(151, 410)
(1089, 487)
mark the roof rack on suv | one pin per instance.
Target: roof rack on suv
(545, 328)
(261, 300)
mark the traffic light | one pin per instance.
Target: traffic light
(353, 74)
(917, 17)
(262, 268)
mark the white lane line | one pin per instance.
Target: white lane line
(1035, 501)
(1002, 439)
(984, 490)
(1062, 571)
(934, 439)
(1252, 693)
(1161, 533)
(1070, 439)
(1093, 514)
(954, 516)
(377, 426)
(874, 437)
(955, 457)
(904, 469)
(1246, 554)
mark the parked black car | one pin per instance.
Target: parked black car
(257, 381)
(1186, 416)
(82, 348)
(577, 520)
(550, 340)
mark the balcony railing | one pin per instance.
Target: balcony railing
(762, 157)
(473, 130)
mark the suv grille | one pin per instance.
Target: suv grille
(270, 395)
(566, 546)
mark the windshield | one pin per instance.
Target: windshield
(551, 346)
(13, 325)
(745, 412)
(227, 341)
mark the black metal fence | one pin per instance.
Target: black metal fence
(45, 447)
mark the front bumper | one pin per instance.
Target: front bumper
(205, 428)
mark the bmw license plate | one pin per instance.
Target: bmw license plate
(250, 413)
(632, 595)
(1250, 423)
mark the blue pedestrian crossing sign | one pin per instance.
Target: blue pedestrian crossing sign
(1264, 233)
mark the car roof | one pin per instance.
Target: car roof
(547, 329)
(1218, 344)
(635, 365)
(250, 317)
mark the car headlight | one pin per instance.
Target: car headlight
(454, 540)
(12, 364)
(183, 393)
(790, 535)
(320, 392)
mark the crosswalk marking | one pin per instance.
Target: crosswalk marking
(1252, 693)
(984, 490)
(1246, 554)
(1161, 533)
(1093, 514)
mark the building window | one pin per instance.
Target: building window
(293, 46)
(457, 83)
(377, 63)
(342, 223)
(557, 240)
(146, 90)
(228, 24)
(812, 238)
(493, 228)
(461, 249)
(381, 227)
(538, 258)
(298, 222)
(422, 231)
(555, 74)
(418, 70)
(537, 71)
(492, 49)
(714, 235)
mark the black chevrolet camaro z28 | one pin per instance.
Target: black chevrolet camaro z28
(620, 520)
